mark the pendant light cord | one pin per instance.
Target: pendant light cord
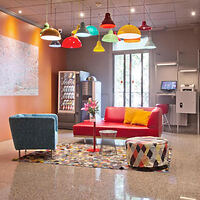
(90, 16)
(107, 5)
(47, 10)
(55, 17)
(129, 17)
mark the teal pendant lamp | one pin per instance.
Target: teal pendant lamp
(92, 29)
(110, 37)
(82, 31)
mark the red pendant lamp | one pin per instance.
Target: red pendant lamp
(107, 22)
(71, 42)
(145, 27)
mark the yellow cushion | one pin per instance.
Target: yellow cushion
(129, 114)
(141, 118)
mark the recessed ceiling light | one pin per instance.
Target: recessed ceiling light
(132, 10)
(20, 12)
(82, 14)
(193, 13)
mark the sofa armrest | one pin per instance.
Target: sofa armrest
(155, 120)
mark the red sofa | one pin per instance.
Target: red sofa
(114, 117)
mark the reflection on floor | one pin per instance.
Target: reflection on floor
(44, 182)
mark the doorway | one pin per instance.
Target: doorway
(131, 79)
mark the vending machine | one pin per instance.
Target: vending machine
(69, 97)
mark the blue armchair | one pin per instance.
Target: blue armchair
(34, 131)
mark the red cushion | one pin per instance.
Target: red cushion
(114, 114)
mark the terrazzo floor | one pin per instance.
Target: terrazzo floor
(28, 181)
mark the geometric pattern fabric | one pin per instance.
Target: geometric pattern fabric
(147, 151)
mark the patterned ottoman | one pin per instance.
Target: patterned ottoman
(147, 152)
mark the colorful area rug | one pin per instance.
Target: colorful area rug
(77, 155)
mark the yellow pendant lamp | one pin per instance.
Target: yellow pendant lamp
(99, 47)
(75, 30)
(129, 32)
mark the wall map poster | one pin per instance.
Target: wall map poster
(18, 68)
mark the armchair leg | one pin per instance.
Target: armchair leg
(51, 154)
(19, 153)
(25, 152)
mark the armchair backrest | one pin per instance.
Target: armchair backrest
(34, 131)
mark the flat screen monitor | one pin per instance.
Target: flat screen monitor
(168, 85)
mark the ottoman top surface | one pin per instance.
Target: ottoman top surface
(147, 140)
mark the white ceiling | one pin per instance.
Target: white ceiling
(158, 13)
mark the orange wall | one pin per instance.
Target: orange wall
(51, 60)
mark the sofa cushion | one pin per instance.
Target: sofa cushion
(129, 114)
(114, 114)
(141, 117)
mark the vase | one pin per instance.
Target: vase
(92, 117)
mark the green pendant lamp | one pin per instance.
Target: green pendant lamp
(82, 31)
(110, 37)
(46, 26)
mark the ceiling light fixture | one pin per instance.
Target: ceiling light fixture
(71, 42)
(82, 31)
(82, 14)
(132, 10)
(55, 44)
(20, 12)
(92, 29)
(50, 34)
(144, 26)
(110, 37)
(98, 47)
(150, 44)
(75, 30)
(107, 22)
(193, 13)
(129, 31)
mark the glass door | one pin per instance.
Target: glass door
(131, 80)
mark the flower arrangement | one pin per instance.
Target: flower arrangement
(91, 107)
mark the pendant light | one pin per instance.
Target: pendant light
(50, 34)
(99, 47)
(150, 44)
(46, 26)
(92, 29)
(82, 31)
(110, 37)
(129, 31)
(71, 42)
(75, 30)
(107, 22)
(55, 44)
(144, 26)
